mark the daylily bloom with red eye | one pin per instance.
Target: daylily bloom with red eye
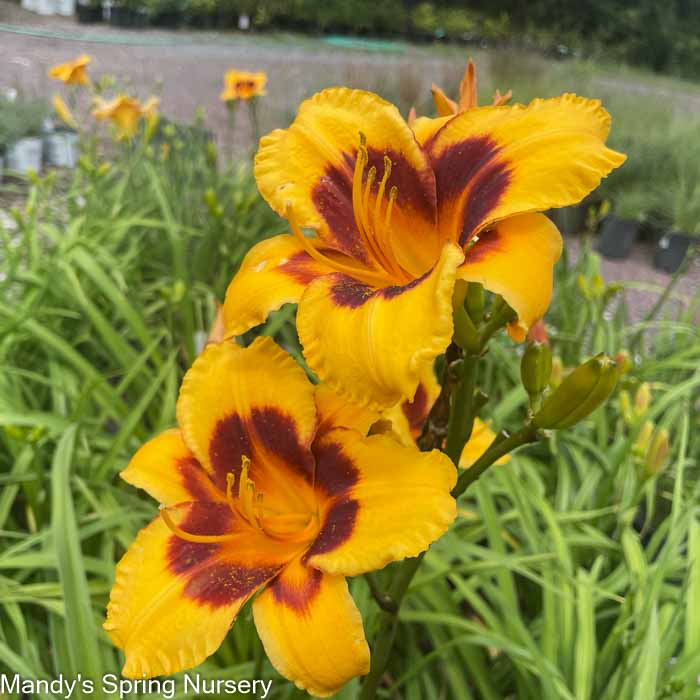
(241, 85)
(262, 491)
(125, 113)
(73, 72)
(399, 217)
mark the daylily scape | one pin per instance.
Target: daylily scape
(398, 214)
(268, 484)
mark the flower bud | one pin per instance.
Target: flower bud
(465, 333)
(597, 286)
(474, 302)
(557, 372)
(657, 454)
(625, 404)
(641, 444)
(536, 368)
(623, 362)
(642, 399)
(579, 394)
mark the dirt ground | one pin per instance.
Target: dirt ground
(185, 68)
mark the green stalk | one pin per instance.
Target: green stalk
(388, 621)
(462, 412)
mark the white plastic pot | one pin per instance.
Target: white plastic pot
(61, 149)
(45, 7)
(65, 7)
(25, 155)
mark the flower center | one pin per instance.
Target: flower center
(372, 212)
(248, 503)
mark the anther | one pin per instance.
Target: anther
(393, 193)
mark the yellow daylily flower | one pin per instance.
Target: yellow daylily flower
(72, 73)
(241, 85)
(262, 491)
(125, 113)
(64, 113)
(398, 219)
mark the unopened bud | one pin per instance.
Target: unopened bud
(557, 372)
(626, 407)
(657, 454)
(642, 399)
(641, 444)
(212, 155)
(597, 286)
(623, 362)
(586, 388)
(465, 333)
(474, 302)
(536, 368)
(583, 286)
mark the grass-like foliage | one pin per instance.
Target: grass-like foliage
(571, 572)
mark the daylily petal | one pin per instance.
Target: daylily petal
(274, 272)
(494, 162)
(173, 601)
(254, 402)
(311, 165)
(385, 501)
(311, 629)
(516, 259)
(373, 345)
(481, 438)
(425, 128)
(408, 417)
(336, 412)
(443, 104)
(166, 469)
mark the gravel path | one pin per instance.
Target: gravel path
(186, 69)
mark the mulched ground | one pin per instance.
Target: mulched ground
(186, 69)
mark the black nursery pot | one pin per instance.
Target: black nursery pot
(127, 17)
(170, 19)
(671, 251)
(89, 14)
(569, 220)
(617, 237)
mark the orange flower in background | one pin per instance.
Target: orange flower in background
(63, 112)
(399, 215)
(72, 73)
(125, 113)
(265, 489)
(241, 85)
(467, 95)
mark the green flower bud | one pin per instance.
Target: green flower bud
(626, 407)
(642, 399)
(465, 333)
(657, 454)
(474, 302)
(536, 368)
(557, 372)
(641, 444)
(579, 394)
(623, 362)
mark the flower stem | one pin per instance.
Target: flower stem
(462, 412)
(388, 621)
